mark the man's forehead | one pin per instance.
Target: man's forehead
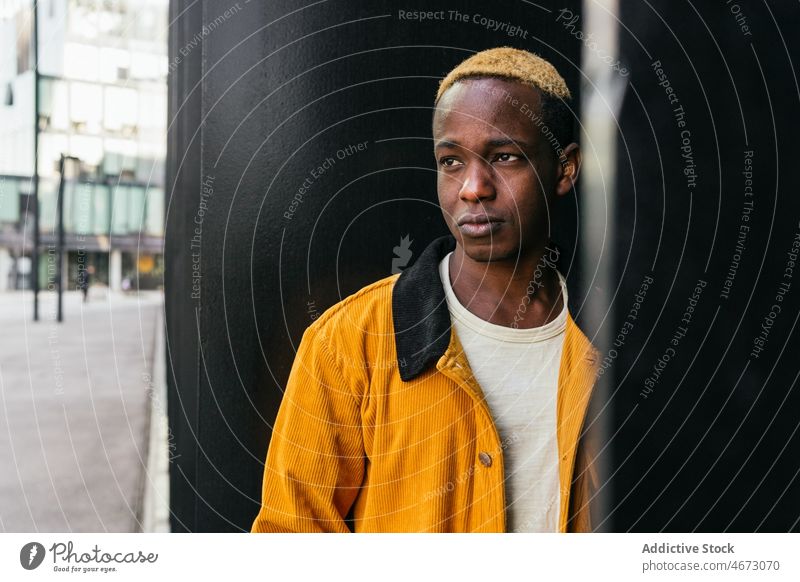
(487, 103)
(489, 97)
(491, 139)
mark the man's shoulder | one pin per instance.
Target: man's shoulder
(367, 310)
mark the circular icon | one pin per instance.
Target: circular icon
(31, 555)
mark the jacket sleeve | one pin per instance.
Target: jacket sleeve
(315, 461)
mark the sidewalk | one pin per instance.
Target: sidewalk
(76, 401)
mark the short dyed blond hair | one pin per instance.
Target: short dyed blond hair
(512, 64)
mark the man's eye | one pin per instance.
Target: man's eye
(507, 157)
(449, 162)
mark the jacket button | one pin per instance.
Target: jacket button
(485, 459)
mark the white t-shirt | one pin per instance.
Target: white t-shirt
(517, 369)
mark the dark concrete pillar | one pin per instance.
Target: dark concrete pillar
(706, 420)
(299, 158)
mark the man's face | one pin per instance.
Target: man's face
(497, 173)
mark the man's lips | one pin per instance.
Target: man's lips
(478, 219)
(479, 225)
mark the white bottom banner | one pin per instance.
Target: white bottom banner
(417, 557)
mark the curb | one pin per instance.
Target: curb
(155, 497)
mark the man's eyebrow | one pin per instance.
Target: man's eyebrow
(500, 142)
(446, 143)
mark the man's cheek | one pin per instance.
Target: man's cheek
(447, 195)
(442, 200)
(441, 187)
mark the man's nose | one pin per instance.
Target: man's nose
(478, 182)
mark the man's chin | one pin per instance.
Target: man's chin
(486, 251)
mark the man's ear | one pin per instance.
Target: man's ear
(569, 167)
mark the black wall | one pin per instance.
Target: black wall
(713, 446)
(259, 100)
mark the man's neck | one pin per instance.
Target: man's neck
(522, 293)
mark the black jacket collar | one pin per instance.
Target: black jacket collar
(419, 311)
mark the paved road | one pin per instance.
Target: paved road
(75, 403)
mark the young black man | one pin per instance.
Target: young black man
(452, 397)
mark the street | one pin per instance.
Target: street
(75, 407)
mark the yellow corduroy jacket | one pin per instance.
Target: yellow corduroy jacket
(383, 427)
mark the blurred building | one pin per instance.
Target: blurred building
(103, 100)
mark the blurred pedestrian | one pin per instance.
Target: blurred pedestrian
(84, 279)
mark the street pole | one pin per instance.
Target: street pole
(36, 218)
(60, 239)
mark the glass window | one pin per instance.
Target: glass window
(89, 149)
(86, 107)
(54, 103)
(120, 156)
(136, 209)
(155, 211)
(81, 20)
(110, 18)
(147, 171)
(9, 200)
(112, 62)
(102, 209)
(121, 108)
(119, 209)
(81, 61)
(51, 146)
(82, 203)
(146, 22)
(112, 163)
(146, 66)
(69, 207)
(153, 110)
(47, 204)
